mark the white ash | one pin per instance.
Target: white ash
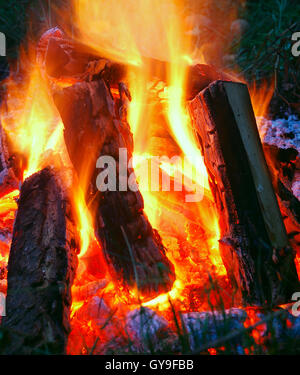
(281, 327)
(144, 326)
(206, 327)
(282, 133)
(296, 185)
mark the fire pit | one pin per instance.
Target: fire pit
(147, 204)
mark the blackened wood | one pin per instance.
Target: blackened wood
(41, 269)
(284, 168)
(254, 246)
(201, 76)
(95, 125)
(8, 179)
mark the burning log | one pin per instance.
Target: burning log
(254, 245)
(95, 125)
(41, 269)
(64, 60)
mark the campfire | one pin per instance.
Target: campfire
(141, 192)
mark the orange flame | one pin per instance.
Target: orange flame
(85, 222)
(135, 33)
(35, 130)
(32, 124)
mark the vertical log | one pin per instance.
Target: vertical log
(254, 245)
(41, 269)
(96, 125)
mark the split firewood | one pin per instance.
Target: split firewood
(254, 245)
(41, 268)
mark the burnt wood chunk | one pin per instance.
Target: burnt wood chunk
(8, 179)
(41, 269)
(95, 125)
(253, 244)
(285, 171)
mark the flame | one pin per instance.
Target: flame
(33, 126)
(154, 39)
(84, 220)
(151, 38)
(261, 97)
(35, 129)
(163, 300)
(122, 31)
(8, 207)
(8, 202)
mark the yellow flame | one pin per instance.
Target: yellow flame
(85, 222)
(138, 33)
(34, 127)
(261, 97)
(8, 202)
(163, 300)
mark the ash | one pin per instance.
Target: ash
(283, 133)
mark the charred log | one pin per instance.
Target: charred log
(285, 164)
(64, 59)
(41, 269)
(254, 245)
(8, 179)
(283, 158)
(95, 125)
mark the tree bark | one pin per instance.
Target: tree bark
(41, 269)
(253, 244)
